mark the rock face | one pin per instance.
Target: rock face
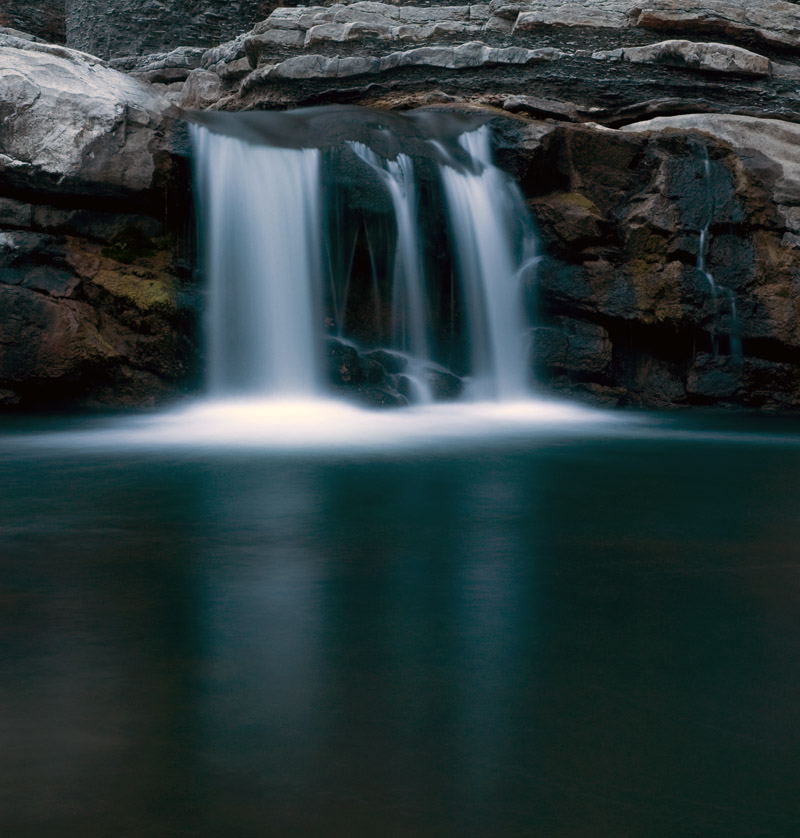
(672, 261)
(45, 19)
(90, 288)
(104, 131)
(134, 27)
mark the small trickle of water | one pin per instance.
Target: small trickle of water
(494, 240)
(724, 297)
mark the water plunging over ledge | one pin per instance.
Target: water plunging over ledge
(398, 233)
(337, 237)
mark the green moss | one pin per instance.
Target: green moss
(578, 201)
(128, 245)
(146, 294)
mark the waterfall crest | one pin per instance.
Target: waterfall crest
(445, 234)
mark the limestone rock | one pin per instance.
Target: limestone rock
(165, 67)
(104, 134)
(717, 58)
(201, 90)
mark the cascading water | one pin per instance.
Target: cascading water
(410, 317)
(266, 227)
(494, 241)
(261, 213)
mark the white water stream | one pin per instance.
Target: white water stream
(487, 214)
(261, 219)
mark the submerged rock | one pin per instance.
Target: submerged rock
(362, 377)
(376, 377)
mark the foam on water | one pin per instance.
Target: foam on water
(329, 425)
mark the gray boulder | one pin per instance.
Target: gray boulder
(69, 122)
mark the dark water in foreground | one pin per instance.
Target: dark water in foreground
(559, 637)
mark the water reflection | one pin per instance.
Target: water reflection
(559, 639)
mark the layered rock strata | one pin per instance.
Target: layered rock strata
(608, 62)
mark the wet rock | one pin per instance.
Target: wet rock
(443, 385)
(713, 378)
(390, 361)
(362, 377)
(381, 397)
(344, 363)
(588, 392)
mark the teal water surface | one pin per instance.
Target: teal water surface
(559, 636)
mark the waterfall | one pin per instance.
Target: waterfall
(488, 215)
(262, 227)
(460, 233)
(410, 316)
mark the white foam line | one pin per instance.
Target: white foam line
(329, 425)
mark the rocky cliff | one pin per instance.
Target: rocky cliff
(655, 141)
(91, 280)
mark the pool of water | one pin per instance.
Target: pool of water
(586, 628)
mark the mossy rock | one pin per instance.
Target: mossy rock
(129, 245)
(156, 293)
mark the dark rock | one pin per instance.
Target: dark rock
(714, 379)
(404, 386)
(129, 245)
(361, 377)
(381, 397)
(390, 361)
(574, 346)
(444, 386)
(44, 19)
(568, 221)
(654, 382)
(588, 392)
(550, 347)
(135, 27)
(344, 364)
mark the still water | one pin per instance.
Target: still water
(562, 633)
